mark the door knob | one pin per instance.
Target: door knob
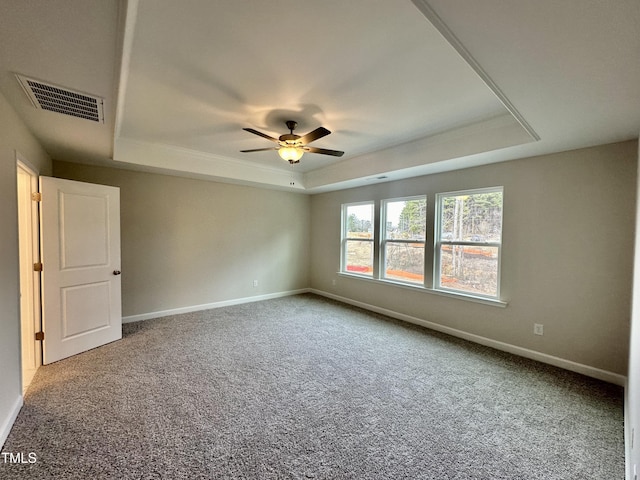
(117, 272)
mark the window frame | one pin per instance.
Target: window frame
(345, 239)
(383, 240)
(439, 242)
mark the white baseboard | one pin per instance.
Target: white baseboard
(604, 375)
(208, 306)
(11, 418)
(600, 374)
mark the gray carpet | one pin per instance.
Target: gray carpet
(303, 387)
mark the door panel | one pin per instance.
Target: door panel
(80, 256)
(84, 240)
(85, 309)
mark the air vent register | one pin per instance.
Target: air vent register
(63, 100)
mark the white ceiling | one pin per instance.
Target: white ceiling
(406, 87)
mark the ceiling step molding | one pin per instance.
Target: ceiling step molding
(196, 164)
(450, 37)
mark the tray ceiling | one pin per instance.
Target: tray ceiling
(406, 87)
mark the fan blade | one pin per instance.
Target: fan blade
(258, 150)
(315, 135)
(324, 151)
(264, 135)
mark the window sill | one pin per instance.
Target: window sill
(419, 288)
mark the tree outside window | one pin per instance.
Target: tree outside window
(357, 238)
(403, 239)
(469, 241)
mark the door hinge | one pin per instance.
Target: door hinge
(39, 336)
(37, 267)
(36, 196)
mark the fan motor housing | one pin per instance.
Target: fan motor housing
(289, 138)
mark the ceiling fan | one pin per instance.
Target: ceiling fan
(291, 147)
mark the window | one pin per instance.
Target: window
(357, 238)
(386, 241)
(469, 238)
(404, 224)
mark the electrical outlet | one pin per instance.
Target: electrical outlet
(538, 329)
(255, 283)
(333, 282)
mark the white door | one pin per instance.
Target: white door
(80, 232)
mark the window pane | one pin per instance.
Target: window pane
(405, 261)
(359, 220)
(406, 220)
(472, 269)
(359, 257)
(472, 218)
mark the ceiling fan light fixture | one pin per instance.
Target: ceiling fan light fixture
(291, 154)
(291, 146)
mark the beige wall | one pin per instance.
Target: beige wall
(567, 256)
(566, 261)
(190, 242)
(14, 136)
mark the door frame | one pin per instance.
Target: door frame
(31, 239)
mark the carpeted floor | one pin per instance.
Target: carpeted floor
(303, 387)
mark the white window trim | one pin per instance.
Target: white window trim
(438, 243)
(384, 241)
(456, 294)
(345, 238)
(431, 276)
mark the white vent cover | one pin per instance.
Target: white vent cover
(63, 100)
